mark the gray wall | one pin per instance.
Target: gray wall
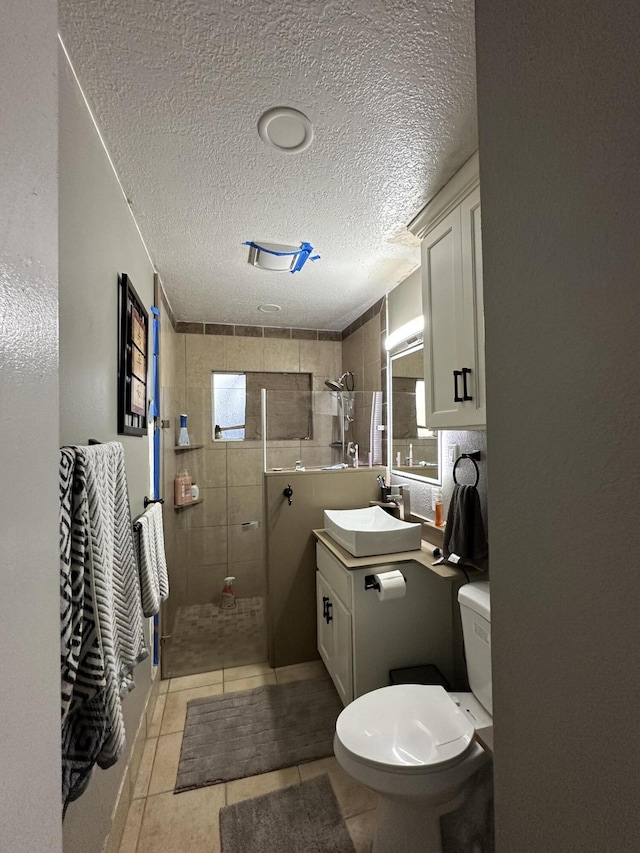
(29, 603)
(559, 134)
(98, 239)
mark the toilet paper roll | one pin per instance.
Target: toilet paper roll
(392, 585)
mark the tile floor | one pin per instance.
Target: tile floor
(160, 821)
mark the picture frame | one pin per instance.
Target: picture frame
(133, 341)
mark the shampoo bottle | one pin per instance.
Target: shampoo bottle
(228, 596)
(182, 489)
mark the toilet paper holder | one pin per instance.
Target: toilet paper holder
(370, 582)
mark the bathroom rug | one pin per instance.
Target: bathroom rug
(254, 731)
(303, 817)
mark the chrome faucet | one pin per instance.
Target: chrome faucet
(402, 499)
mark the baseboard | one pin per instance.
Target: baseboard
(125, 794)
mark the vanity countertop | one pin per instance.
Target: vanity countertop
(484, 737)
(424, 557)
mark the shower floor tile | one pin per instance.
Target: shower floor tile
(205, 638)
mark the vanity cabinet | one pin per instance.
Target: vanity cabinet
(334, 638)
(453, 305)
(360, 638)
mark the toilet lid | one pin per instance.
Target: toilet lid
(407, 726)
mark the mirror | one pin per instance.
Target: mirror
(236, 406)
(414, 450)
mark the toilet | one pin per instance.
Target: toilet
(414, 745)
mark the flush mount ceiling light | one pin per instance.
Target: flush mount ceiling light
(272, 256)
(269, 308)
(278, 258)
(285, 129)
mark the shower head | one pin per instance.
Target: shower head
(341, 384)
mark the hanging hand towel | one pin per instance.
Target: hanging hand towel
(97, 554)
(82, 668)
(464, 535)
(152, 562)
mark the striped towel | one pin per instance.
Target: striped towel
(102, 636)
(152, 562)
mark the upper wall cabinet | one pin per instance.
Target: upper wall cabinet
(452, 303)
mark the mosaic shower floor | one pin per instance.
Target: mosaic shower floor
(205, 638)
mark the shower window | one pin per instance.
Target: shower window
(229, 401)
(235, 406)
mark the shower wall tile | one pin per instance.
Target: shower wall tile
(372, 380)
(212, 512)
(198, 411)
(244, 544)
(352, 352)
(204, 583)
(244, 504)
(282, 355)
(283, 457)
(324, 404)
(323, 429)
(338, 369)
(371, 341)
(244, 353)
(244, 467)
(318, 457)
(361, 353)
(250, 579)
(203, 353)
(317, 357)
(214, 467)
(206, 545)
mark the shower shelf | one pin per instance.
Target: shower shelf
(180, 448)
(191, 503)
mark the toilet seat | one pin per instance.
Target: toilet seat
(406, 728)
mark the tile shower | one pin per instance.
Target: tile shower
(207, 542)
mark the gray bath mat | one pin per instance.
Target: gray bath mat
(303, 817)
(242, 734)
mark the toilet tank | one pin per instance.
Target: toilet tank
(475, 611)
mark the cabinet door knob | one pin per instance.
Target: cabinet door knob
(325, 599)
(465, 393)
(456, 394)
(329, 617)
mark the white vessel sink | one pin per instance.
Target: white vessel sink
(371, 531)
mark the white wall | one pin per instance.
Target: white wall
(98, 240)
(29, 556)
(559, 140)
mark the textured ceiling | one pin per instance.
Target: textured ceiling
(177, 87)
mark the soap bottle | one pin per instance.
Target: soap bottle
(183, 437)
(228, 596)
(182, 489)
(436, 499)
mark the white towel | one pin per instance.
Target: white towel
(117, 586)
(152, 561)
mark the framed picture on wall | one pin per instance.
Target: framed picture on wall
(133, 336)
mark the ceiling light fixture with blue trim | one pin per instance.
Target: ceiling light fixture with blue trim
(279, 258)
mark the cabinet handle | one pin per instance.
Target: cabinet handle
(456, 394)
(329, 616)
(465, 393)
(325, 599)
